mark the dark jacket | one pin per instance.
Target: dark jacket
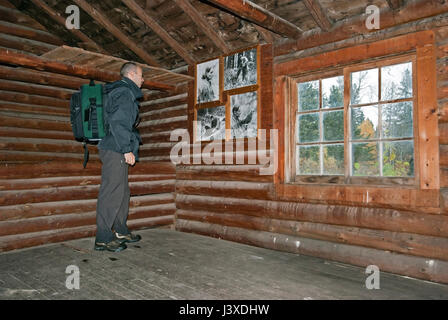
(122, 117)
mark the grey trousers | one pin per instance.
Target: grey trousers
(113, 199)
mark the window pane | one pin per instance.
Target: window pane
(396, 81)
(397, 120)
(365, 159)
(333, 92)
(308, 95)
(398, 159)
(364, 122)
(309, 128)
(334, 159)
(364, 86)
(308, 160)
(333, 122)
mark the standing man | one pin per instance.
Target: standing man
(118, 150)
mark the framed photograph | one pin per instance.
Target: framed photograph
(243, 112)
(240, 69)
(211, 124)
(208, 77)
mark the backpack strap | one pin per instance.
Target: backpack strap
(86, 154)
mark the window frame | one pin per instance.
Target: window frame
(347, 177)
(424, 195)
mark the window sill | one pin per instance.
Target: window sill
(409, 198)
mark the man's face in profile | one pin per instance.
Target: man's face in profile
(137, 76)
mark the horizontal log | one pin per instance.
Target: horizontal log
(25, 45)
(443, 178)
(15, 227)
(145, 107)
(30, 123)
(44, 146)
(27, 240)
(40, 77)
(234, 189)
(432, 270)
(34, 133)
(156, 137)
(74, 168)
(29, 33)
(38, 63)
(33, 99)
(443, 115)
(176, 124)
(172, 112)
(442, 91)
(405, 243)
(33, 210)
(54, 182)
(249, 173)
(40, 90)
(18, 157)
(361, 217)
(33, 109)
(443, 156)
(78, 192)
(45, 237)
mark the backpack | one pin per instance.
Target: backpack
(87, 115)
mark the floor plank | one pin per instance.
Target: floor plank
(172, 265)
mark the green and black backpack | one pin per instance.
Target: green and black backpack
(87, 115)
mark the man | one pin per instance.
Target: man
(243, 68)
(118, 150)
(239, 126)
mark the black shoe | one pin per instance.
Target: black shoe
(114, 246)
(123, 238)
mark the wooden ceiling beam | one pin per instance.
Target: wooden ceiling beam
(38, 63)
(266, 34)
(109, 26)
(413, 10)
(203, 24)
(260, 16)
(159, 30)
(319, 14)
(394, 4)
(60, 20)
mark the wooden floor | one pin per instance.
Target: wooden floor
(168, 264)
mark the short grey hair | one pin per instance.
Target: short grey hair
(128, 67)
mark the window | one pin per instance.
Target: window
(320, 126)
(357, 122)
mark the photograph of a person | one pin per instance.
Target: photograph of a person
(211, 123)
(244, 115)
(207, 81)
(240, 69)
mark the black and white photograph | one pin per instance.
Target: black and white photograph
(244, 115)
(240, 69)
(207, 81)
(211, 124)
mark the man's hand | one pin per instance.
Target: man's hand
(130, 158)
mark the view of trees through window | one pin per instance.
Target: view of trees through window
(380, 121)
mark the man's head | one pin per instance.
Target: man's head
(133, 72)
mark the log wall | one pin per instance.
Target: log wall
(236, 203)
(45, 194)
